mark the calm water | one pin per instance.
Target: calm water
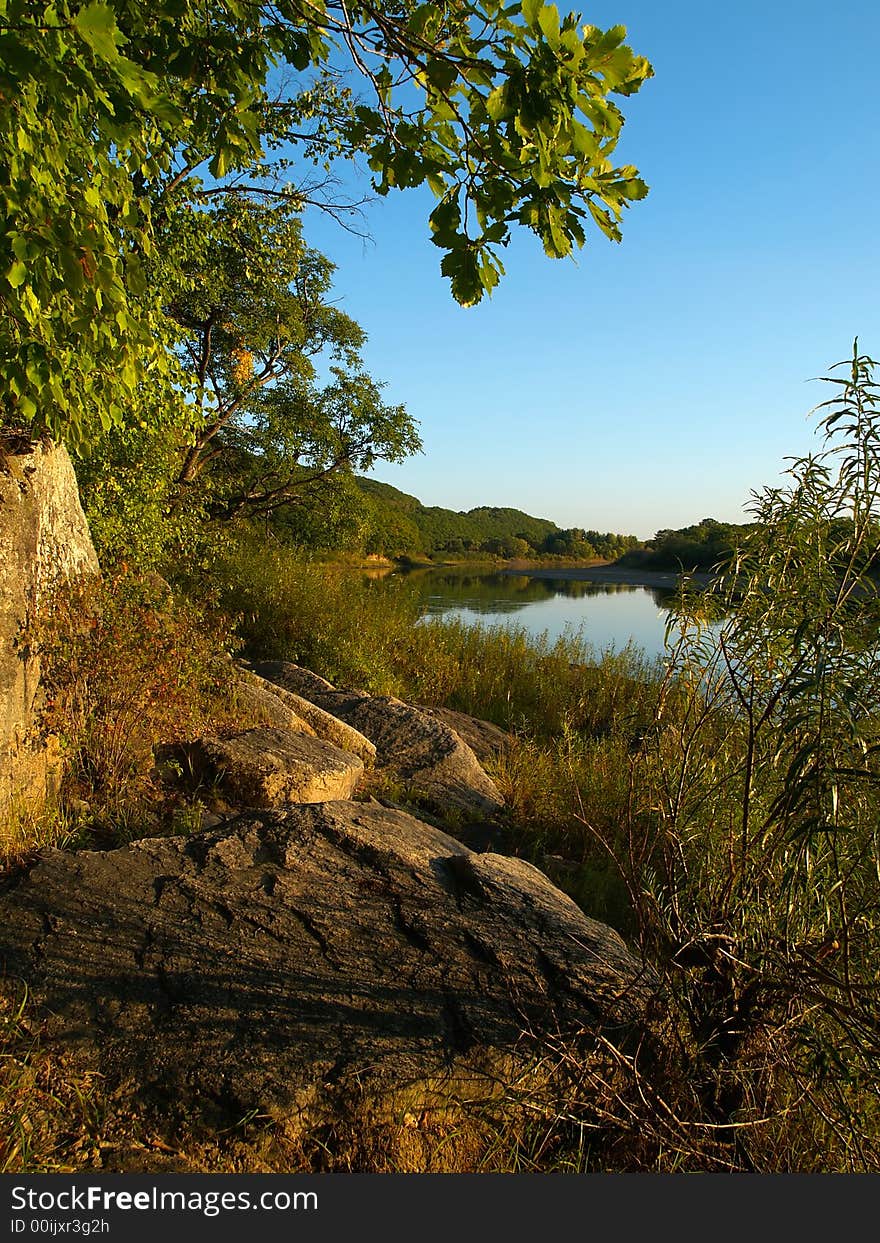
(609, 614)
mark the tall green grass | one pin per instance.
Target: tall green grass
(368, 633)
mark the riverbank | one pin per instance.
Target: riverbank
(623, 788)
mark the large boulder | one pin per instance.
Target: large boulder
(254, 699)
(299, 681)
(484, 739)
(44, 541)
(418, 749)
(292, 957)
(264, 767)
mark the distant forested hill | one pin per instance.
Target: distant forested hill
(367, 516)
(498, 531)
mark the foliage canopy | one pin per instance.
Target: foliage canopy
(250, 303)
(110, 111)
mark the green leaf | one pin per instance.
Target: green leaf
(445, 221)
(27, 406)
(463, 270)
(497, 104)
(96, 24)
(441, 74)
(134, 277)
(221, 162)
(604, 221)
(421, 17)
(583, 140)
(137, 80)
(437, 185)
(17, 274)
(530, 11)
(548, 20)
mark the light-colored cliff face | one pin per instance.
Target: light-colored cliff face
(44, 540)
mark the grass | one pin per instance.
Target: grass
(49, 1112)
(362, 633)
(24, 830)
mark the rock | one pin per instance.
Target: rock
(484, 739)
(290, 958)
(44, 541)
(258, 702)
(264, 767)
(424, 753)
(413, 746)
(319, 722)
(294, 678)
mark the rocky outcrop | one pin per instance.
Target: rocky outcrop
(316, 721)
(264, 767)
(44, 540)
(416, 748)
(299, 681)
(425, 754)
(275, 962)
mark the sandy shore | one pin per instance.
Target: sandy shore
(614, 574)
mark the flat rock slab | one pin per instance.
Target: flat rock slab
(271, 767)
(417, 748)
(263, 964)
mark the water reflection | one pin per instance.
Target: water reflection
(507, 593)
(608, 614)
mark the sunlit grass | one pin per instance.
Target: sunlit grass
(24, 830)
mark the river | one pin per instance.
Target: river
(609, 614)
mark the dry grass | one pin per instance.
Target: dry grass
(127, 668)
(23, 831)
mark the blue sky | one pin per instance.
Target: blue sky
(657, 382)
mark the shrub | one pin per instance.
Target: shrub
(757, 894)
(126, 666)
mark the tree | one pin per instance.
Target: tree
(341, 522)
(249, 300)
(570, 543)
(505, 112)
(507, 546)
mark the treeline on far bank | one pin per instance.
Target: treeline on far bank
(701, 546)
(363, 515)
(709, 544)
(366, 516)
